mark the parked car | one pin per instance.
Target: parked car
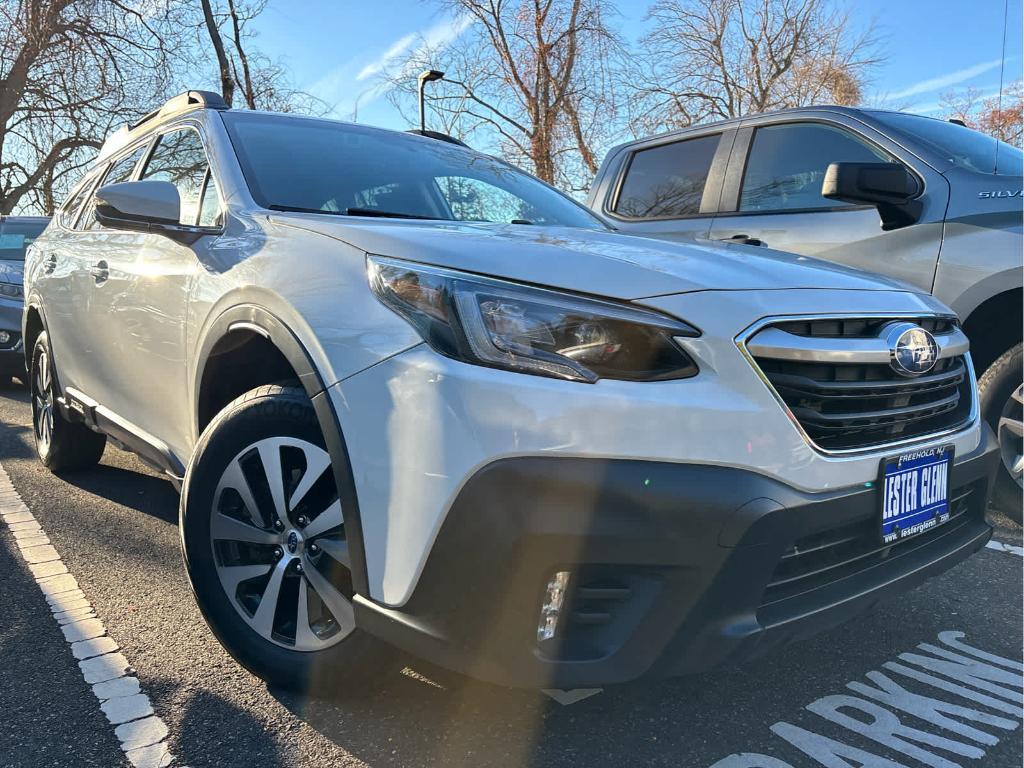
(925, 201)
(413, 394)
(16, 234)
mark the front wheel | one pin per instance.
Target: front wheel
(264, 540)
(1002, 406)
(60, 444)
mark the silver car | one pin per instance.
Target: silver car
(413, 394)
(924, 201)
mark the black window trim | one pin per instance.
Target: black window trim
(710, 201)
(733, 185)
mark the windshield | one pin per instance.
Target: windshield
(16, 235)
(322, 166)
(961, 146)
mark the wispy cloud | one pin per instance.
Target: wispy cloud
(358, 82)
(944, 81)
(382, 62)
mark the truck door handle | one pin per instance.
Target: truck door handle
(745, 240)
(100, 271)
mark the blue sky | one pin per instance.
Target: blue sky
(334, 48)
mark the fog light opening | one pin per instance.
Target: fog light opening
(551, 608)
(4, 337)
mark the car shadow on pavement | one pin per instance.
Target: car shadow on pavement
(199, 737)
(142, 492)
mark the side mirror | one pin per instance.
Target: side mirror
(888, 186)
(144, 206)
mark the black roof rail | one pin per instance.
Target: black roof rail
(182, 102)
(439, 136)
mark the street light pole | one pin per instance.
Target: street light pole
(426, 76)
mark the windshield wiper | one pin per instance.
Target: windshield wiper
(299, 209)
(388, 214)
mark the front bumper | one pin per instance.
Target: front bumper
(676, 567)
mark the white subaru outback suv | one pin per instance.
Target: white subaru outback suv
(415, 395)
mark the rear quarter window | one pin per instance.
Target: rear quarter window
(667, 181)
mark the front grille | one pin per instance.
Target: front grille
(858, 327)
(819, 559)
(849, 400)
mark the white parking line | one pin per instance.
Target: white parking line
(142, 734)
(1001, 547)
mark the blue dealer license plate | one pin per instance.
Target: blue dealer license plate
(915, 492)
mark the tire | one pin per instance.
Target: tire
(1002, 397)
(61, 445)
(231, 519)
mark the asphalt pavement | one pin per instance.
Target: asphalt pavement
(114, 528)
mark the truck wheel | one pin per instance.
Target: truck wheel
(60, 444)
(263, 537)
(1002, 403)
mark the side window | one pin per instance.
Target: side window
(71, 208)
(180, 159)
(120, 170)
(787, 164)
(668, 180)
(209, 210)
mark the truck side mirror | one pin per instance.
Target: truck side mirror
(890, 187)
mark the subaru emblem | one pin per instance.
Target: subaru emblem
(913, 351)
(293, 542)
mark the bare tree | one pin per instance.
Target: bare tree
(538, 74)
(70, 70)
(1002, 118)
(262, 83)
(715, 59)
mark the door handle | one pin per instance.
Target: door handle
(745, 240)
(100, 271)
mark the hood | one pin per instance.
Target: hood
(597, 262)
(12, 271)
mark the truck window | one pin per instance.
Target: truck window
(787, 163)
(667, 181)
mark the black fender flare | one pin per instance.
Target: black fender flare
(259, 320)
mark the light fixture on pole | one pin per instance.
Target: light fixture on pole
(426, 76)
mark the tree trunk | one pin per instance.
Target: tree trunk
(250, 94)
(227, 82)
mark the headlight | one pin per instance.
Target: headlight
(532, 330)
(11, 290)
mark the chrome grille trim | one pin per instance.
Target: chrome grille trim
(782, 345)
(744, 338)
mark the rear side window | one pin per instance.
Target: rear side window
(179, 158)
(120, 170)
(73, 205)
(787, 164)
(667, 181)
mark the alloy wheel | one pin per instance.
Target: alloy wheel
(42, 402)
(279, 546)
(1011, 435)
